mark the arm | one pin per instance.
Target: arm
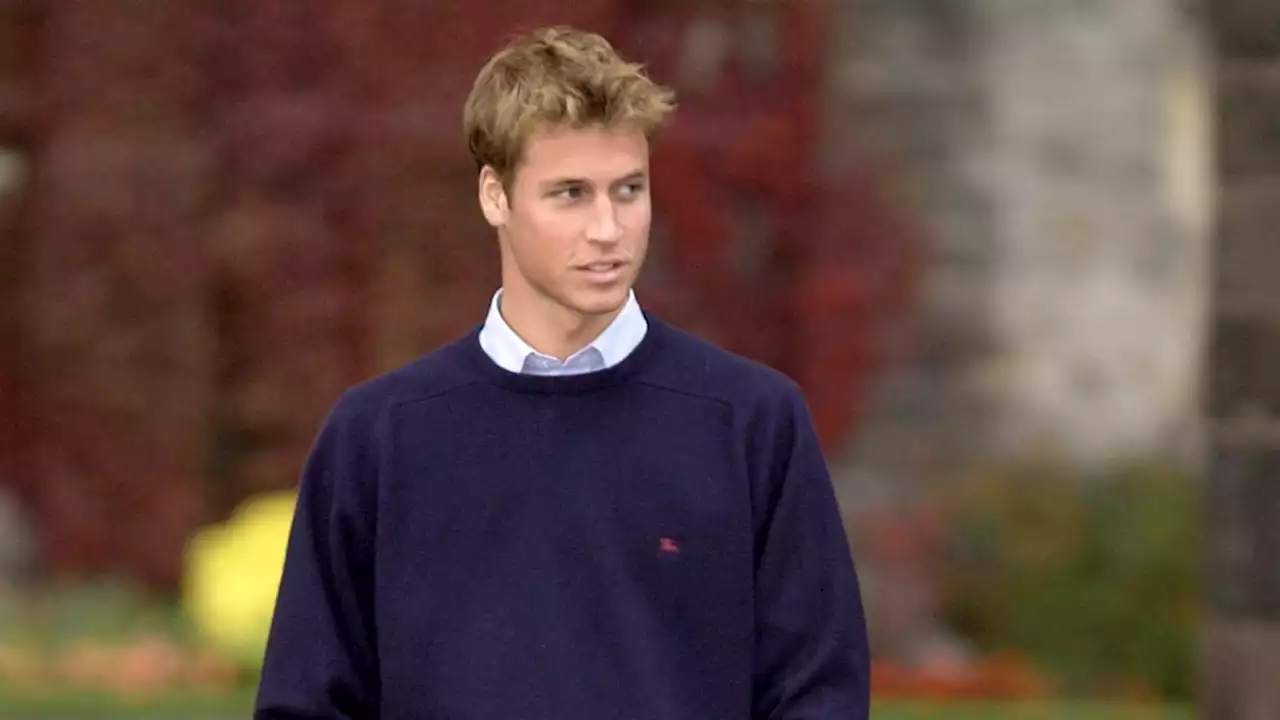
(321, 661)
(811, 660)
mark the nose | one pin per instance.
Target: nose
(604, 227)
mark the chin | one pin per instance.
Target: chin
(600, 303)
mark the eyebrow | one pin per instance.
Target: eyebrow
(640, 174)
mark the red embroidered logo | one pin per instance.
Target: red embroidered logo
(667, 545)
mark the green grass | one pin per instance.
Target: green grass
(1014, 711)
(94, 706)
(84, 706)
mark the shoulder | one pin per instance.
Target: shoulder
(434, 373)
(698, 367)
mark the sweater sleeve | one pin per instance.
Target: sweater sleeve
(321, 660)
(811, 659)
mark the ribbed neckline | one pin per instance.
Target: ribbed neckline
(565, 384)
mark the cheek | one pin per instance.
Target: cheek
(542, 239)
(637, 216)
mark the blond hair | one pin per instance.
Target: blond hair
(556, 76)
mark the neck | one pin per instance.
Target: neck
(548, 327)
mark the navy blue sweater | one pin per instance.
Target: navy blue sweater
(656, 541)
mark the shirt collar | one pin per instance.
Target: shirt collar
(509, 350)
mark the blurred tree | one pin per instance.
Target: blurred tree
(238, 208)
(114, 323)
(17, 55)
(1110, 556)
(1242, 648)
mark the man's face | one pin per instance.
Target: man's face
(574, 227)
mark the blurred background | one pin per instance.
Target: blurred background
(1018, 253)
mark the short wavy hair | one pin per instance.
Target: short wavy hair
(556, 77)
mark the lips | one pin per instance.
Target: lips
(603, 271)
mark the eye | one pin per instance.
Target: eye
(631, 189)
(572, 192)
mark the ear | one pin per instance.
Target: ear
(493, 197)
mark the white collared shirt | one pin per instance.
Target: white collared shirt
(611, 347)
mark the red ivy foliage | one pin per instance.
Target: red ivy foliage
(241, 207)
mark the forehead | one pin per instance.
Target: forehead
(591, 153)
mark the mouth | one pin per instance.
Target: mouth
(605, 271)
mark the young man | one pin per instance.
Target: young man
(576, 511)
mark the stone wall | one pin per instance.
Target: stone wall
(906, 98)
(1242, 646)
(1097, 160)
(1056, 154)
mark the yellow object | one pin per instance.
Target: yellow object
(232, 575)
